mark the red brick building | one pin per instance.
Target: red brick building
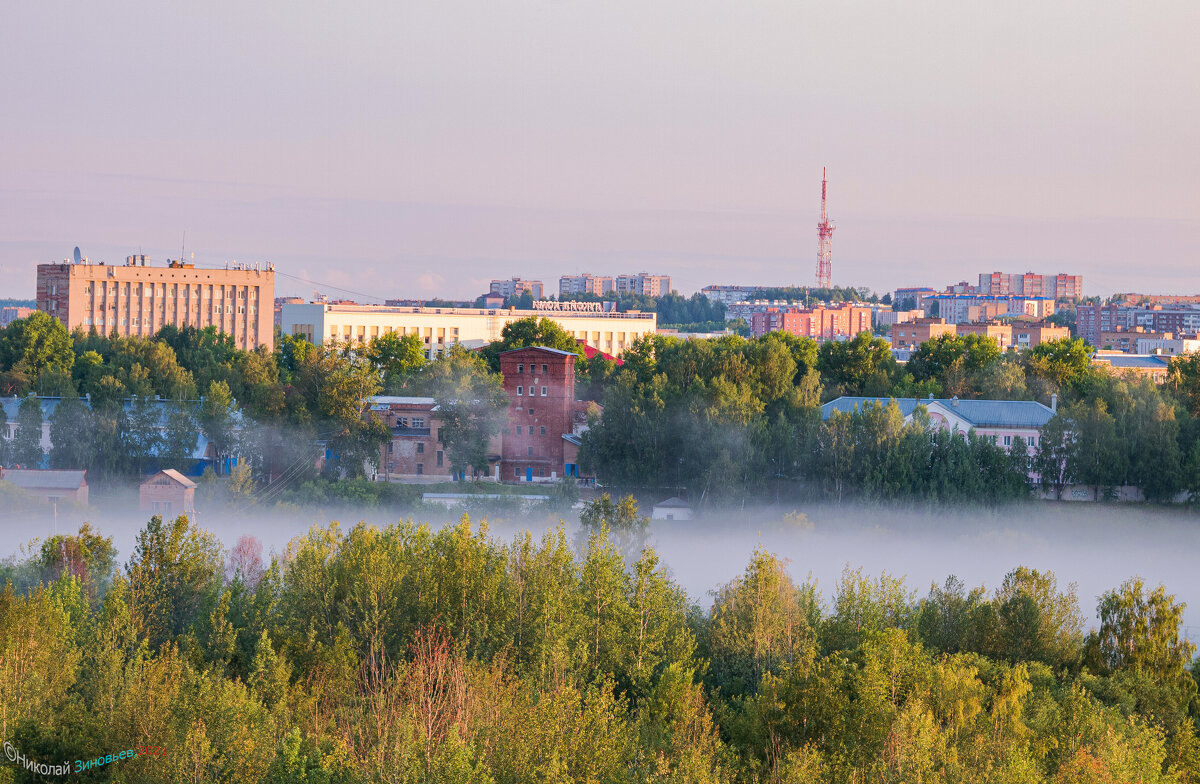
(544, 418)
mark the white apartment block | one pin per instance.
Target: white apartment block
(646, 285)
(585, 284)
(440, 328)
(515, 287)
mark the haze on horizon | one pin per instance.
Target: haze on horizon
(421, 149)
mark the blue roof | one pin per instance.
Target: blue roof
(1134, 360)
(12, 405)
(979, 413)
(850, 405)
(1000, 413)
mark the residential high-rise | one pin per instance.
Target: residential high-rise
(585, 284)
(646, 285)
(1030, 284)
(139, 299)
(515, 287)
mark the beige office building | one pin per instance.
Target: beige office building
(440, 328)
(139, 299)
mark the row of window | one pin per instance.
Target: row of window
(532, 391)
(517, 430)
(160, 290)
(521, 369)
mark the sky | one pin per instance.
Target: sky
(399, 149)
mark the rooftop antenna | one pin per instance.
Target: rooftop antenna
(182, 247)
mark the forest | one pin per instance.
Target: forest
(406, 654)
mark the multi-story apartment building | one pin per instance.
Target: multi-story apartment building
(731, 294)
(1093, 320)
(820, 323)
(1026, 334)
(439, 328)
(646, 285)
(1030, 284)
(912, 298)
(1001, 333)
(585, 284)
(959, 308)
(139, 299)
(1160, 319)
(9, 314)
(515, 287)
(913, 333)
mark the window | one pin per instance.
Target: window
(420, 448)
(418, 422)
(543, 430)
(545, 369)
(1008, 440)
(530, 451)
(543, 391)
(420, 469)
(390, 445)
(439, 458)
(531, 412)
(520, 391)
(520, 369)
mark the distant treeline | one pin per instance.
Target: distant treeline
(733, 420)
(406, 654)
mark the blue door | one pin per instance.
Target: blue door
(529, 474)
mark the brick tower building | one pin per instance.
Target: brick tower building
(544, 418)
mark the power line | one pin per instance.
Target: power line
(309, 281)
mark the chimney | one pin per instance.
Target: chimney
(954, 401)
(1054, 402)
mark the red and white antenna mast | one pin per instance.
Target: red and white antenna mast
(824, 242)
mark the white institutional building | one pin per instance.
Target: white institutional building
(441, 328)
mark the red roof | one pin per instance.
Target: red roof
(590, 352)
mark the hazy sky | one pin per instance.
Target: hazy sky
(411, 149)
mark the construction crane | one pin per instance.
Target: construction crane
(824, 242)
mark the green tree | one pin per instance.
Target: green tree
(26, 448)
(71, 442)
(35, 345)
(863, 365)
(531, 331)
(397, 357)
(471, 405)
(143, 438)
(218, 411)
(180, 435)
(176, 569)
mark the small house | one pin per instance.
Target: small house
(50, 485)
(167, 493)
(674, 508)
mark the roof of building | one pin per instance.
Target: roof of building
(164, 408)
(590, 351)
(45, 479)
(572, 438)
(674, 502)
(172, 474)
(399, 400)
(999, 413)
(1144, 361)
(850, 405)
(558, 351)
(979, 413)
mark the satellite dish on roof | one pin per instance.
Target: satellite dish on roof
(78, 258)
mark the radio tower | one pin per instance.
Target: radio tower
(824, 242)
